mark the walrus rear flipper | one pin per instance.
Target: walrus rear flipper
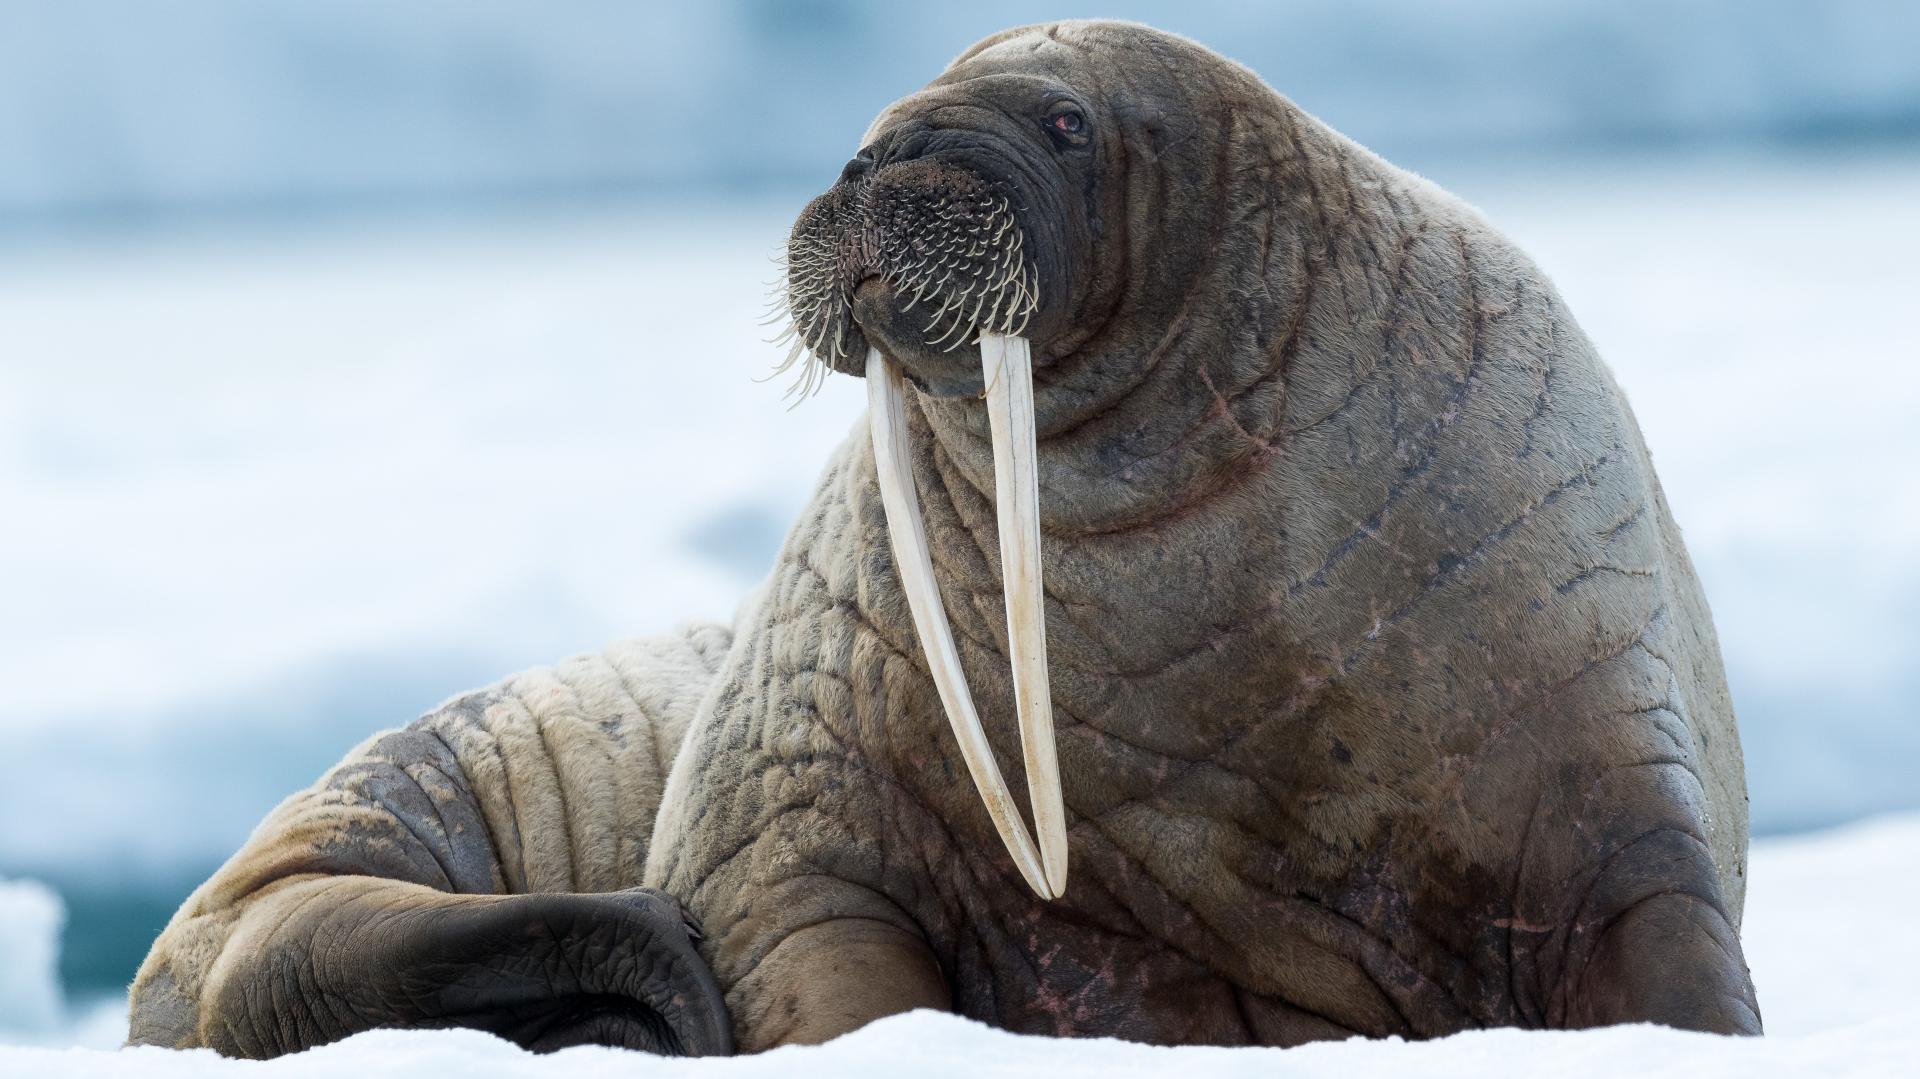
(479, 868)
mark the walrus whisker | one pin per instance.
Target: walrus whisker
(956, 332)
(955, 328)
(1033, 304)
(999, 295)
(795, 392)
(940, 314)
(793, 355)
(957, 258)
(911, 300)
(974, 318)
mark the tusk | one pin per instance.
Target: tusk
(1007, 366)
(886, 400)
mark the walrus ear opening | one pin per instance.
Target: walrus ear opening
(1007, 368)
(1147, 124)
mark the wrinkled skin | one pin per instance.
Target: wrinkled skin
(480, 868)
(1387, 699)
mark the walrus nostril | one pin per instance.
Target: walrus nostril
(920, 256)
(903, 142)
(858, 166)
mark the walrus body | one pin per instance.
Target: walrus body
(1388, 702)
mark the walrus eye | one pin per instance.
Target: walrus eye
(1068, 124)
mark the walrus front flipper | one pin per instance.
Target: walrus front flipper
(320, 959)
(479, 868)
(1658, 947)
(1626, 912)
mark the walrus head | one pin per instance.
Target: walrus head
(1017, 230)
(963, 213)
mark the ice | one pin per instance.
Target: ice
(1825, 932)
(31, 917)
(934, 1046)
(264, 497)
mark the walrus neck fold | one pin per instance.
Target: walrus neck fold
(1162, 408)
(1184, 387)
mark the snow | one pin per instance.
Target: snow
(31, 917)
(205, 443)
(1828, 935)
(284, 491)
(935, 1046)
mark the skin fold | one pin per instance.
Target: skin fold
(479, 868)
(1387, 701)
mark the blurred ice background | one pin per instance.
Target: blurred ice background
(355, 353)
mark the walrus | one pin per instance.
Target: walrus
(1249, 615)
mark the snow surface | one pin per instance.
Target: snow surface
(929, 1045)
(1828, 934)
(31, 916)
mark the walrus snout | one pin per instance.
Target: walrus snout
(857, 166)
(917, 256)
(881, 315)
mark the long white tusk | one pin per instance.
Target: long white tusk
(1007, 366)
(886, 401)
